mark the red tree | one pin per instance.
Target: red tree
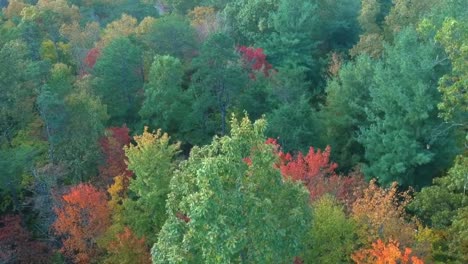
(91, 57)
(17, 245)
(318, 174)
(255, 59)
(82, 218)
(112, 146)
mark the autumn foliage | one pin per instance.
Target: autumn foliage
(382, 253)
(92, 56)
(112, 146)
(128, 248)
(17, 244)
(317, 172)
(380, 213)
(255, 59)
(82, 218)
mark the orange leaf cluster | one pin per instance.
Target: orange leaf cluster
(389, 253)
(128, 248)
(381, 214)
(83, 217)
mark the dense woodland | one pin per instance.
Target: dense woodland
(233, 131)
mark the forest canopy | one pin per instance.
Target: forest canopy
(241, 131)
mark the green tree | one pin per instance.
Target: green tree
(222, 209)
(172, 35)
(215, 87)
(165, 105)
(14, 166)
(292, 120)
(443, 207)
(17, 82)
(454, 38)
(119, 77)
(152, 161)
(250, 20)
(344, 110)
(437, 205)
(182, 6)
(69, 111)
(332, 236)
(403, 139)
(295, 34)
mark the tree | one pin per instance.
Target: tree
(123, 27)
(81, 40)
(215, 88)
(436, 205)
(332, 235)
(119, 77)
(343, 112)
(309, 169)
(442, 207)
(249, 21)
(17, 82)
(14, 166)
(85, 115)
(255, 60)
(453, 36)
(172, 35)
(292, 41)
(381, 253)
(205, 20)
(112, 147)
(402, 140)
(81, 219)
(17, 245)
(152, 161)
(371, 19)
(165, 105)
(380, 213)
(182, 6)
(224, 209)
(128, 249)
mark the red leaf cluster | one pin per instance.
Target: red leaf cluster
(112, 146)
(255, 59)
(83, 217)
(318, 174)
(91, 57)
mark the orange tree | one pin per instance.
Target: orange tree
(82, 218)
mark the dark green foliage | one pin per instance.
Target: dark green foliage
(15, 163)
(401, 135)
(215, 87)
(165, 105)
(119, 77)
(17, 82)
(344, 111)
(70, 111)
(172, 35)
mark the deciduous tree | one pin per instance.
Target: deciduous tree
(81, 219)
(223, 209)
